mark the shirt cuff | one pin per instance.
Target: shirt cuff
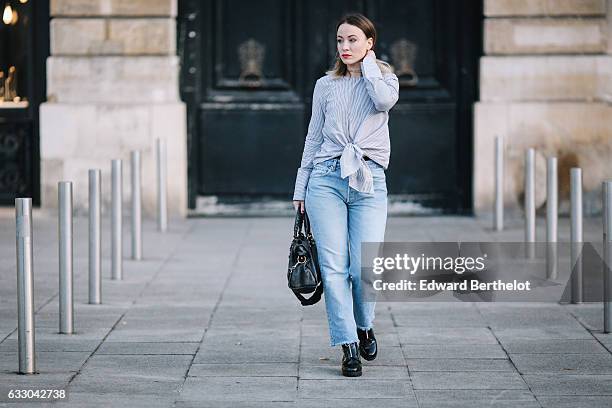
(301, 182)
(369, 67)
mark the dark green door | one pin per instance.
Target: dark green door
(249, 67)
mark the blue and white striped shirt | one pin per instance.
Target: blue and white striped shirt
(350, 118)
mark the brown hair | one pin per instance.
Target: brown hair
(364, 24)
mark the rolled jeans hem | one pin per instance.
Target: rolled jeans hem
(339, 343)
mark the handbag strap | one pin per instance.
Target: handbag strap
(301, 220)
(297, 227)
(314, 298)
(306, 224)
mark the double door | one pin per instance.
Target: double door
(249, 68)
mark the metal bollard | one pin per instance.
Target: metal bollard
(162, 205)
(576, 234)
(607, 245)
(530, 203)
(136, 206)
(116, 220)
(499, 184)
(95, 241)
(25, 286)
(64, 196)
(551, 217)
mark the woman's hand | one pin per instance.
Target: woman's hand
(299, 204)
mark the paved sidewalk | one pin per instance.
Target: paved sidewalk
(206, 320)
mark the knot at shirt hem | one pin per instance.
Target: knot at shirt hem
(353, 166)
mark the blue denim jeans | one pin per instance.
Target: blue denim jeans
(341, 219)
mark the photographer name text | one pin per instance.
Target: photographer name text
(433, 285)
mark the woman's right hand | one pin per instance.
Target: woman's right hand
(299, 204)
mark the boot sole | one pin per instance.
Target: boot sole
(351, 373)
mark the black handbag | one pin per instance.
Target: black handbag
(304, 272)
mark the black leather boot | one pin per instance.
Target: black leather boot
(368, 347)
(351, 364)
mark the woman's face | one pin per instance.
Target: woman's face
(352, 43)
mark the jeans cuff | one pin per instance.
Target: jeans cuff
(334, 343)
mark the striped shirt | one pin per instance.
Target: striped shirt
(349, 119)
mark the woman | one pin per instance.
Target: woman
(341, 180)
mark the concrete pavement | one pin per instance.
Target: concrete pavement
(206, 320)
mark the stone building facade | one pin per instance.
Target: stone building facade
(545, 82)
(112, 87)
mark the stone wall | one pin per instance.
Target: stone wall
(112, 87)
(545, 82)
